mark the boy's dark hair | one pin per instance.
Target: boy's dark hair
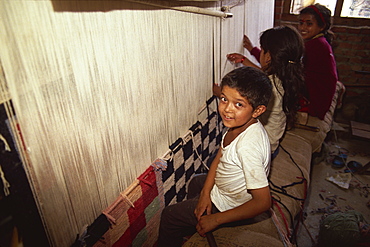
(323, 17)
(251, 83)
(286, 48)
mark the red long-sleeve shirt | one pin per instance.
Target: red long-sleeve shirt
(320, 75)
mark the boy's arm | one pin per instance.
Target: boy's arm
(204, 203)
(260, 202)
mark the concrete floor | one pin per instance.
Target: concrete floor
(326, 197)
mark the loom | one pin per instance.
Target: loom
(99, 90)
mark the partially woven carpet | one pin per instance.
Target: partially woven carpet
(191, 155)
(135, 214)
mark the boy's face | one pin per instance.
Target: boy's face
(235, 110)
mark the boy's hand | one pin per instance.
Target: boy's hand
(204, 206)
(206, 224)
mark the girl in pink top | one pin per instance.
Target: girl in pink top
(320, 67)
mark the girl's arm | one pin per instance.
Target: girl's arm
(216, 90)
(254, 51)
(204, 202)
(247, 43)
(239, 58)
(260, 202)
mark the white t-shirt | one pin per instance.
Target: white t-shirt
(274, 118)
(244, 164)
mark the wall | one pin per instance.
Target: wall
(352, 53)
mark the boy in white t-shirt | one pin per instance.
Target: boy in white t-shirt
(236, 186)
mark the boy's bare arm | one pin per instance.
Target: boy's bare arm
(260, 202)
(210, 181)
(204, 203)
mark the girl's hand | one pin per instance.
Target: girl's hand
(216, 90)
(247, 44)
(206, 224)
(204, 206)
(235, 57)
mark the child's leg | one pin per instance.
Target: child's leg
(177, 221)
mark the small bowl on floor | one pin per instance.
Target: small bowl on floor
(339, 161)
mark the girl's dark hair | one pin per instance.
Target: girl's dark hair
(323, 17)
(253, 84)
(286, 48)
